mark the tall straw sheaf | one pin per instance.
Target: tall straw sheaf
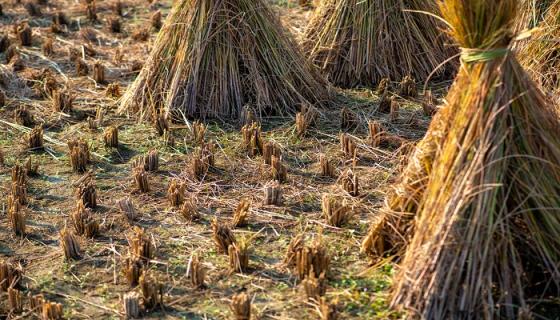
(212, 57)
(483, 201)
(360, 42)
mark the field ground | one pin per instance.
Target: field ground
(92, 287)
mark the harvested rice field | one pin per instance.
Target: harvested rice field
(277, 159)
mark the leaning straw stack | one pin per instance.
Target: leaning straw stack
(540, 53)
(486, 233)
(360, 42)
(212, 57)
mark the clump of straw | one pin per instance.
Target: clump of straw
(358, 42)
(486, 232)
(211, 58)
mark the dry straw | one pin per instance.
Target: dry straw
(477, 206)
(15, 300)
(141, 245)
(241, 306)
(540, 52)
(70, 245)
(79, 155)
(533, 12)
(314, 287)
(189, 210)
(213, 57)
(239, 256)
(252, 139)
(311, 259)
(176, 192)
(10, 275)
(86, 191)
(240, 213)
(222, 235)
(132, 270)
(131, 305)
(83, 221)
(152, 291)
(111, 137)
(197, 272)
(272, 194)
(360, 42)
(16, 216)
(327, 169)
(127, 208)
(335, 211)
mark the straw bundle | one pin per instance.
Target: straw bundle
(357, 42)
(213, 57)
(540, 53)
(487, 226)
